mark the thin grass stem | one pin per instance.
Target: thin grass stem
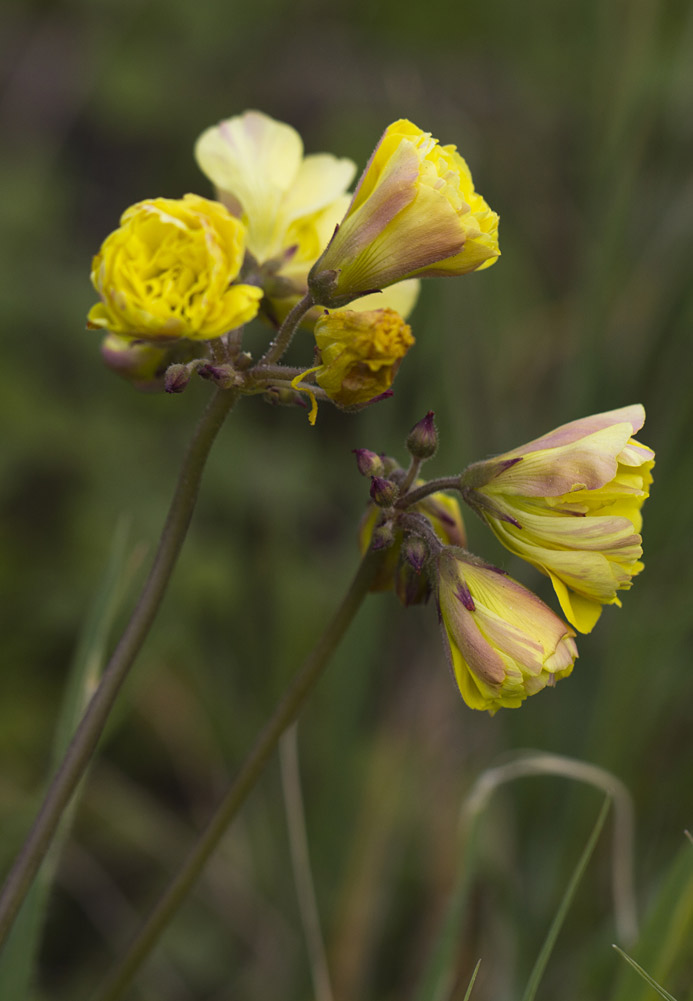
(300, 862)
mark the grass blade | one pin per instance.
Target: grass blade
(468, 992)
(645, 976)
(557, 923)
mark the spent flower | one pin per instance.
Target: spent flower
(360, 353)
(502, 642)
(167, 272)
(570, 503)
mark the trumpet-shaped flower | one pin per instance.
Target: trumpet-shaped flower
(570, 503)
(290, 203)
(414, 213)
(502, 642)
(167, 272)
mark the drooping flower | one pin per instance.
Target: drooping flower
(167, 273)
(570, 503)
(290, 203)
(414, 213)
(502, 642)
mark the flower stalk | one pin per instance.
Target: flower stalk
(91, 727)
(247, 776)
(284, 336)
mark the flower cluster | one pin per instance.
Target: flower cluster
(569, 503)
(283, 240)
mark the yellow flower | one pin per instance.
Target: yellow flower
(443, 512)
(360, 353)
(502, 642)
(569, 503)
(290, 203)
(414, 213)
(166, 273)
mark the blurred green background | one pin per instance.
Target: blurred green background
(576, 120)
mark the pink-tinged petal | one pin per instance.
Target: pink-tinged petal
(570, 503)
(502, 642)
(483, 660)
(414, 212)
(550, 472)
(636, 454)
(634, 415)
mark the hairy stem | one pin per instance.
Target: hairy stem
(87, 734)
(432, 487)
(246, 778)
(286, 332)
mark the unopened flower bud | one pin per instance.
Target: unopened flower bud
(369, 463)
(411, 586)
(140, 363)
(223, 376)
(390, 465)
(383, 536)
(280, 396)
(177, 378)
(422, 442)
(415, 551)
(384, 492)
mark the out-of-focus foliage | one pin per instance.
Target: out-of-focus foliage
(575, 119)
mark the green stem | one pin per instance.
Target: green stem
(412, 473)
(246, 777)
(432, 487)
(94, 719)
(287, 330)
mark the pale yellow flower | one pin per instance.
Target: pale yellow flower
(570, 503)
(502, 642)
(288, 202)
(414, 213)
(167, 272)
